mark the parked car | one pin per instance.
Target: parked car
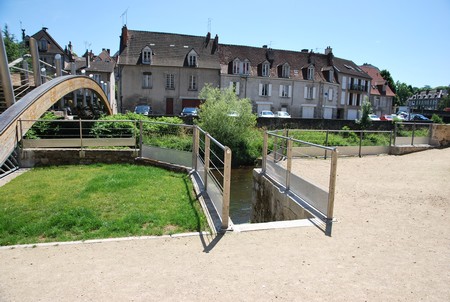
(386, 117)
(189, 111)
(282, 114)
(419, 117)
(374, 117)
(143, 109)
(266, 113)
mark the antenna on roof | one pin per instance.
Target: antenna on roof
(124, 17)
(209, 25)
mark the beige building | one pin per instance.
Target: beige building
(166, 71)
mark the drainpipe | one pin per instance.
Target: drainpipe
(5, 76)
(36, 66)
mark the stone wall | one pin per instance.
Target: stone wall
(271, 203)
(440, 135)
(56, 157)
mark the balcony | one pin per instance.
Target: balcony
(356, 87)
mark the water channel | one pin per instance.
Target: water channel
(241, 195)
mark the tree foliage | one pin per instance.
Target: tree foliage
(403, 91)
(229, 120)
(13, 48)
(366, 108)
(387, 76)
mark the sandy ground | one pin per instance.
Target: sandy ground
(391, 242)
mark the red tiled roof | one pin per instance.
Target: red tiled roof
(377, 81)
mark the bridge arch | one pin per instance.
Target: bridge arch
(34, 104)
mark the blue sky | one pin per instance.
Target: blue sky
(410, 38)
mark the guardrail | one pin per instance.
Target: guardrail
(283, 163)
(412, 133)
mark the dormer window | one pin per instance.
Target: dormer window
(265, 69)
(43, 45)
(285, 71)
(246, 67)
(193, 59)
(310, 75)
(236, 65)
(147, 55)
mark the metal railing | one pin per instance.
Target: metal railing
(284, 164)
(212, 161)
(412, 133)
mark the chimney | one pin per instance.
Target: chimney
(44, 28)
(88, 59)
(123, 38)
(305, 50)
(215, 45)
(328, 50)
(264, 46)
(207, 38)
(109, 51)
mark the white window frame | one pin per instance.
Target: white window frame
(265, 89)
(245, 67)
(310, 75)
(192, 59)
(147, 55)
(285, 91)
(170, 81)
(265, 72)
(285, 70)
(147, 80)
(235, 87)
(310, 93)
(330, 94)
(236, 66)
(193, 82)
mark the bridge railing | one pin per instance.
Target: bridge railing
(293, 164)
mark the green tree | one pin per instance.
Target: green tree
(387, 76)
(13, 48)
(366, 108)
(403, 92)
(229, 120)
(444, 102)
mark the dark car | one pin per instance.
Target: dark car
(143, 109)
(419, 117)
(189, 111)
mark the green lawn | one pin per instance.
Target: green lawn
(98, 201)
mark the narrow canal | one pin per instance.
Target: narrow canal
(241, 195)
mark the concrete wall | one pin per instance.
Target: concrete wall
(270, 203)
(56, 157)
(440, 135)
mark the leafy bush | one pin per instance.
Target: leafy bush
(436, 119)
(44, 127)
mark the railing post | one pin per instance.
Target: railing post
(275, 148)
(395, 133)
(331, 191)
(81, 140)
(264, 153)
(36, 65)
(207, 157)
(141, 137)
(5, 76)
(195, 146)
(360, 141)
(226, 188)
(412, 137)
(288, 164)
(326, 142)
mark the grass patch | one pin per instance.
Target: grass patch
(99, 201)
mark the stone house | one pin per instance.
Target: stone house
(426, 99)
(381, 95)
(301, 83)
(166, 71)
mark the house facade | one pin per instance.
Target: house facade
(165, 71)
(301, 83)
(427, 99)
(381, 95)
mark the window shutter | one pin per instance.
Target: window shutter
(281, 91)
(270, 89)
(231, 85)
(260, 89)
(344, 82)
(314, 93)
(330, 94)
(306, 92)
(290, 91)
(237, 87)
